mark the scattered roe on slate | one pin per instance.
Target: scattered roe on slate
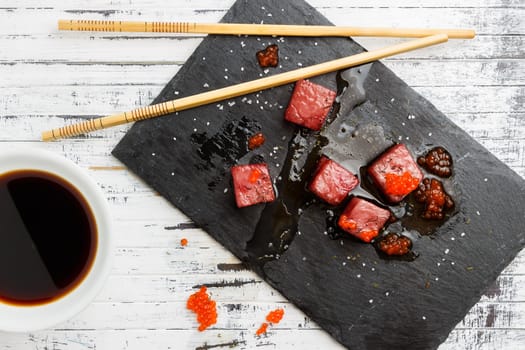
(184, 242)
(256, 141)
(399, 185)
(273, 317)
(204, 307)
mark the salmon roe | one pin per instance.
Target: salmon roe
(262, 329)
(204, 307)
(184, 242)
(256, 141)
(273, 317)
(400, 185)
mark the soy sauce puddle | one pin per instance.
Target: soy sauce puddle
(354, 144)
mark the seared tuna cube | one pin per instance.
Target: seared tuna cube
(252, 184)
(395, 173)
(309, 105)
(332, 182)
(363, 219)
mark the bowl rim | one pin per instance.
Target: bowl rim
(20, 318)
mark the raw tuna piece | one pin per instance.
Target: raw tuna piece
(252, 184)
(363, 219)
(332, 182)
(309, 105)
(395, 173)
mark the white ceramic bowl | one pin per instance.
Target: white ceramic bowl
(15, 318)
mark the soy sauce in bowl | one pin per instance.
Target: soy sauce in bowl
(48, 237)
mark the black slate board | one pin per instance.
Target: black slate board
(363, 301)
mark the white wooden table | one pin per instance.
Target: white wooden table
(48, 76)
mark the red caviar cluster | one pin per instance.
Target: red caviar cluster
(204, 307)
(436, 200)
(273, 317)
(399, 185)
(256, 141)
(394, 244)
(268, 57)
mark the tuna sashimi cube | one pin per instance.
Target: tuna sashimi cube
(309, 105)
(395, 173)
(363, 219)
(252, 184)
(332, 182)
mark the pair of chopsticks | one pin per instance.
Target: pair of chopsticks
(426, 37)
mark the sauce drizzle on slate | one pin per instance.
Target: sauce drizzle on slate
(354, 145)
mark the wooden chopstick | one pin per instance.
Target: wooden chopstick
(256, 29)
(239, 89)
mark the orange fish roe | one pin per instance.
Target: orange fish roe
(256, 141)
(262, 329)
(184, 242)
(275, 316)
(400, 185)
(204, 307)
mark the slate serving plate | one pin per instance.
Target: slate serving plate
(363, 300)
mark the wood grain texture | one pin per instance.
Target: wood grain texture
(478, 84)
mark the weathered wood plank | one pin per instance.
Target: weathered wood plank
(248, 315)
(102, 100)
(414, 72)
(128, 5)
(103, 48)
(484, 20)
(175, 338)
(278, 338)
(173, 260)
(239, 286)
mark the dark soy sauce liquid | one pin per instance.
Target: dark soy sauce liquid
(48, 237)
